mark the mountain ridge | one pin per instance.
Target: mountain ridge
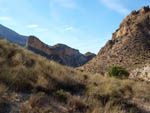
(60, 53)
(129, 46)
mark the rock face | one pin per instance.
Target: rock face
(12, 36)
(89, 55)
(59, 53)
(142, 73)
(129, 47)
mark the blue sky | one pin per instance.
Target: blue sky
(82, 24)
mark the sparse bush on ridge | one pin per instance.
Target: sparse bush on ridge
(118, 72)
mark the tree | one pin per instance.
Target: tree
(118, 72)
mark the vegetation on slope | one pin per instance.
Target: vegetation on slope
(32, 84)
(118, 72)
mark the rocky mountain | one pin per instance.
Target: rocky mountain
(89, 55)
(60, 53)
(12, 36)
(129, 47)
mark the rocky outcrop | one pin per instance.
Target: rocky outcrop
(141, 73)
(34, 42)
(129, 47)
(60, 53)
(89, 56)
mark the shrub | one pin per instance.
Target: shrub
(61, 96)
(118, 72)
(78, 106)
(2, 89)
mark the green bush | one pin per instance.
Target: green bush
(118, 72)
(61, 96)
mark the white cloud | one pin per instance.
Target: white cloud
(65, 28)
(69, 28)
(5, 18)
(37, 28)
(33, 26)
(116, 6)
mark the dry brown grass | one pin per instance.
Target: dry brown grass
(23, 70)
(60, 89)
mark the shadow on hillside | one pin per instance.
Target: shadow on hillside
(119, 101)
(4, 107)
(133, 108)
(68, 85)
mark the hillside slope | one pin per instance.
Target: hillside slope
(30, 83)
(129, 47)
